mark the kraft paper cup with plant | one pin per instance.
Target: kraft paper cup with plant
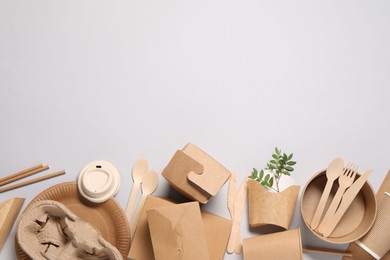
(269, 203)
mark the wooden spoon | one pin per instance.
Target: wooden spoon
(140, 169)
(148, 187)
(334, 170)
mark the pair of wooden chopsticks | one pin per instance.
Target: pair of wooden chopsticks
(25, 173)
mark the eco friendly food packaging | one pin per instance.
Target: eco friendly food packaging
(49, 230)
(9, 210)
(270, 208)
(195, 174)
(216, 228)
(177, 232)
(357, 220)
(377, 240)
(279, 245)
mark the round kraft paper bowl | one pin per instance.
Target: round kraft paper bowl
(107, 217)
(357, 220)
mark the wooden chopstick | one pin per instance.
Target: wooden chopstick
(23, 174)
(45, 177)
(327, 251)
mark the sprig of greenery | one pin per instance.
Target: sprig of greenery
(280, 165)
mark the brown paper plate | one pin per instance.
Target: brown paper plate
(107, 217)
(356, 221)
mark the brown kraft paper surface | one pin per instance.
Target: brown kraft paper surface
(261, 214)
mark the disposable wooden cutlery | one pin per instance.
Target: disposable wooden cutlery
(345, 180)
(140, 169)
(239, 203)
(333, 171)
(232, 193)
(148, 187)
(347, 199)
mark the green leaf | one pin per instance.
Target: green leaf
(254, 171)
(275, 156)
(264, 183)
(261, 175)
(271, 181)
(291, 163)
(277, 151)
(252, 177)
(273, 161)
(290, 157)
(285, 157)
(267, 178)
(289, 168)
(286, 173)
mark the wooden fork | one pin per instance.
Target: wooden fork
(345, 180)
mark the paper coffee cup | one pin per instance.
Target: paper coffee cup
(377, 241)
(279, 245)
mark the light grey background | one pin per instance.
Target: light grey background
(122, 80)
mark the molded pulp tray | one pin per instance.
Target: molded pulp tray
(107, 217)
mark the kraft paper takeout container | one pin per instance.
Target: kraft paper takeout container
(271, 208)
(377, 240)
(177, 232)
(195, 174)
(357, 220)
(9, 210)
(279, 245)
(358, 252)
(217, 230)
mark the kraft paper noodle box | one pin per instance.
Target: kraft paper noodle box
(217, 230)
(195, 174)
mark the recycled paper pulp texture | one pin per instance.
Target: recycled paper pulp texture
(217, 231)
(49, 230)
(9, 210)
(177, 232)
(275, 246)
(259, 198)
(195, 174)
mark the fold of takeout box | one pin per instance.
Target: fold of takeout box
(177, 232)
(217, 231)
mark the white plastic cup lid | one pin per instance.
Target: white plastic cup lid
(98, 181)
